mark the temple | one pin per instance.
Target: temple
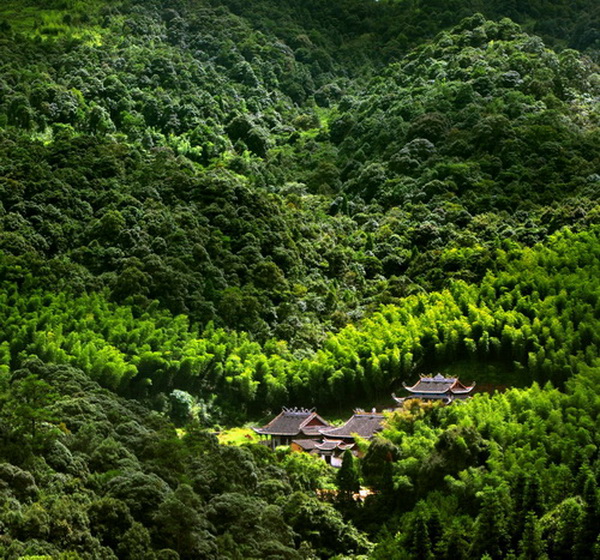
(293, 424)
(447, 389)
(305, 430)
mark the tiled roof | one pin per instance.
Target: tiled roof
(313, 430)
(460, 389)
(438, 384)
(306, 444)
(290, 422)
(364, 424)
(328, 444)
(331, 444)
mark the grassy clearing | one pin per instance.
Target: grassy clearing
(59, 19)
(238, 436)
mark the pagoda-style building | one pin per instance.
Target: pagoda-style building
(299, 424)
(362, 424)
(446, 389)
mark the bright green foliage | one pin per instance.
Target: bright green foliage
(530, 494)
(521, 317)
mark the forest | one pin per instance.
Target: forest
(212, 209)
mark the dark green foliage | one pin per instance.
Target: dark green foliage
(136, 182)
(531, 545)
(348, 477)
(183, 528)
(377, 464)
(139, 491)
(318, 522)
(29, 408)
(109, 520)
(491, 526)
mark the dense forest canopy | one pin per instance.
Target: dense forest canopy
(210, 209)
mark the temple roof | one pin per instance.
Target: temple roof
(438, 385)
(306, 444)
(313, 430)
(292, 422)
(363, 424)
(331, 444)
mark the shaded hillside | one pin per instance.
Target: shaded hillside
(85, 474)
(182, 169)
(354, 32)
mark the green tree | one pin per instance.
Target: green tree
(532, 545)
(27, 405)
(420, 541)
(135, 544)
(491, 527)
(348, 477)
(181, 526)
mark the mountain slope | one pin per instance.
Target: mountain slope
(215, 208)
(138, 162)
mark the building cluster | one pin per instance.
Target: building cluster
(305, 430)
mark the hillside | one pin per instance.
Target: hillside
(210, 209)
